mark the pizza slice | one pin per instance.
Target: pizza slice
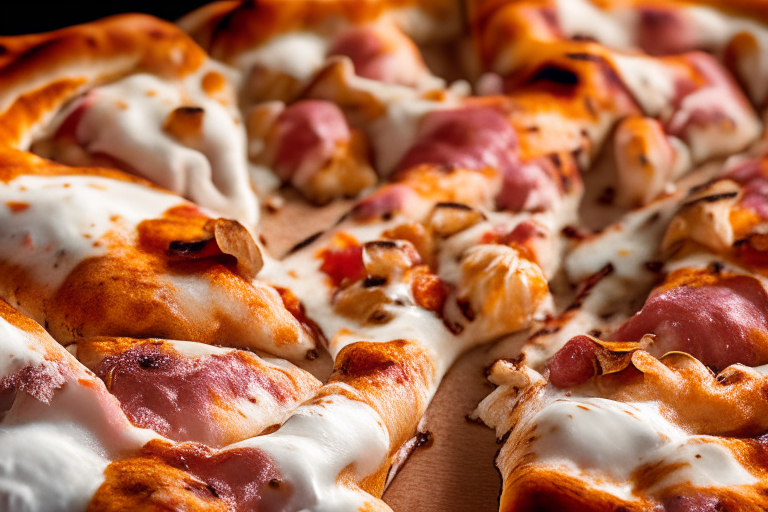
(59, 427)
(651, 434)
(94, 252)
(664, 116)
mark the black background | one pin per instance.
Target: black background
(30, 16)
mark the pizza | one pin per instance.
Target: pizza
(577, 189)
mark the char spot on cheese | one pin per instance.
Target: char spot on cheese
(557, 75)
(719, 323)
(171, 394)
(573, 364)
(306, 133)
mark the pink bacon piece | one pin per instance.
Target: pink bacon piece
(386, 55)
(720, 322)
(306, 135)
(477, 138)
(208, 397)
(752, 176)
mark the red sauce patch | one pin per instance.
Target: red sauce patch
(343, 262)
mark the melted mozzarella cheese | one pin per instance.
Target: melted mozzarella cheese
(301, 274)
(298, 54)
(52, 455)
(699, 461)
(64, 217)
(615, 28)
(597, 436)
(651, 83)
(44, 469)
(317, 444)
(126, 120)
(628, 449)
(627, 245)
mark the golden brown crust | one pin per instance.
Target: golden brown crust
(393, 378)
(39, 73)
(229, 28)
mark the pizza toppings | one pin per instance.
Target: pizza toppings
(307, 130)
(575, 363)
(310, 145)
(499, 291)
(188, 393)
(343, 263)
(473, 138)
(462, 245)
(718, 319)
(646, 159)
(754, 186)
(608, 443)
